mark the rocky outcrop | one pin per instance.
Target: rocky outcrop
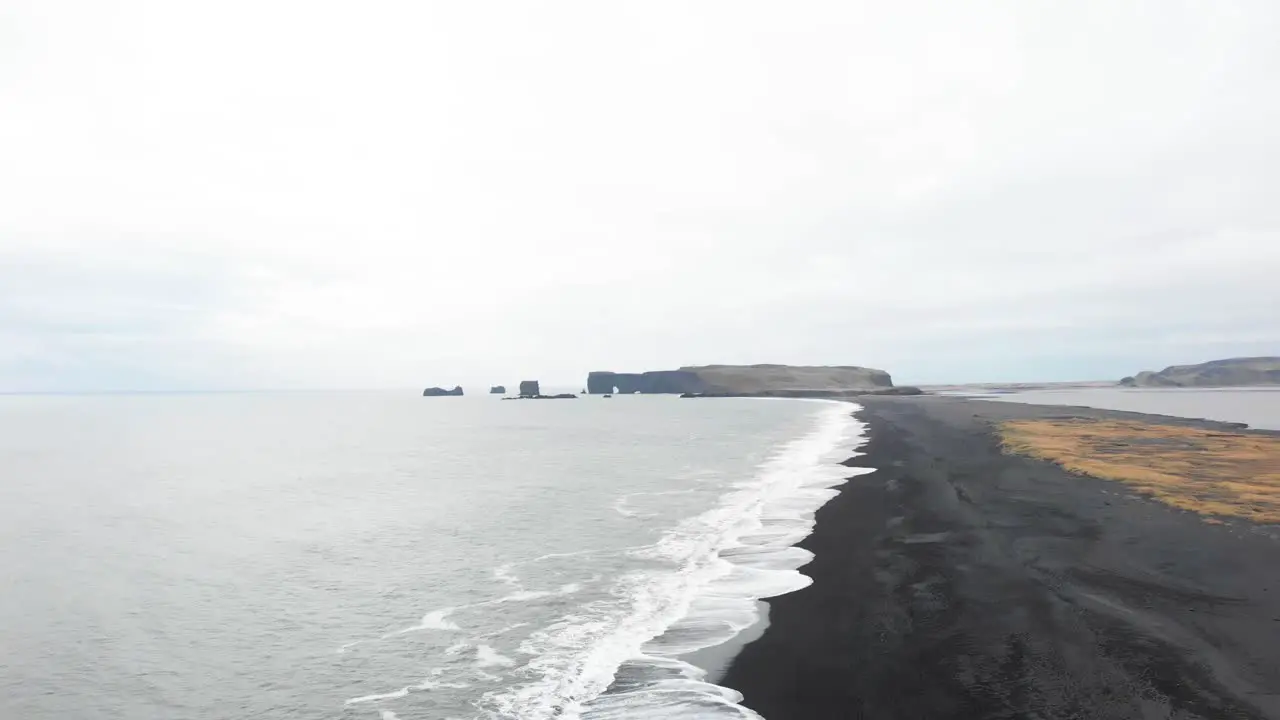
(660, 381)
(529, 388)
(900, 390)
(820, 381)
(441, 392)
(498, 390)
(762, 378)
(1232, 372)
(855, 393)
(561, 396)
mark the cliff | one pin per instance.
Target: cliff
(1232, 372)
(660, 381)
(742, 380)
(766, 378)
(899, 390)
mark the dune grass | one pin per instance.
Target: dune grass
(1214, 473)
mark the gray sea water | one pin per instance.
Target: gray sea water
(384, 556)
(1258, 407)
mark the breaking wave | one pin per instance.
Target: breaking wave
(621, 657)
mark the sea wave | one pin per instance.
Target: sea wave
(621, 658)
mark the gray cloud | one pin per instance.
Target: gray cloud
(281, 194)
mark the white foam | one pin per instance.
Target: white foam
(379, 696)
(434, 620)
(426, 684)
(505, 573)
(578, 553)
(720, 563)
(622, 505)
(432, 685)
(486, 656)
(527, 595)
(502, 630)
(623, 508)
(387, 715)
(523, 596)
(439, 619)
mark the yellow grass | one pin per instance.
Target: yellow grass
(1213, 473)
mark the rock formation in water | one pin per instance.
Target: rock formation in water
(529, 388)
(660, 381)
(441, 392)
(710, 380)
(1232, 372)
(498, 390)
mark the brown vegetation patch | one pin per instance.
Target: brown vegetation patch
(1209, 472)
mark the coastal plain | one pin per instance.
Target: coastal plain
(1025, 561)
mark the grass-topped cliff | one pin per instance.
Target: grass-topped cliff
(1231, 372)
(742, 379)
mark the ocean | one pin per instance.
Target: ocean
(387, 556)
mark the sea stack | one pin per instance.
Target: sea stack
(441, 392)
(498, 390)
(529, 388)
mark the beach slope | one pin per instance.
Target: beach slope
(961, 580)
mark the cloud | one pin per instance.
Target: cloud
(287, 194)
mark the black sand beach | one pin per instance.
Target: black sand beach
(958, 581)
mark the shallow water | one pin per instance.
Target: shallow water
(374, 555)
(1257, 407)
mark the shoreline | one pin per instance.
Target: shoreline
(715, 660)
(957, 581)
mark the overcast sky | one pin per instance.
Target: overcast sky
(257, 194)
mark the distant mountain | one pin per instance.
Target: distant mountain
(1232, 372)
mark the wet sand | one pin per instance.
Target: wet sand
(959, 581)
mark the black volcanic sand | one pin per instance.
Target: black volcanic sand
(960, 582)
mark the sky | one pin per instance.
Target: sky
(394, 194)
